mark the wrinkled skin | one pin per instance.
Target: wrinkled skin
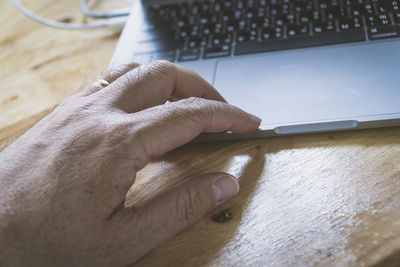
(63, 184)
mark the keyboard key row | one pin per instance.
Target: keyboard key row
(184, 54)
(220, 28)
(300, 42)
(334, 8)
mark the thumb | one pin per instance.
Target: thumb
(165, 215)
(185, 203)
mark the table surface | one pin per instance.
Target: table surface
(322, 199)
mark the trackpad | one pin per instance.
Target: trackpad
(313, 85)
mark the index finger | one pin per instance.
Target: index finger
(166, 127)
(153, 84)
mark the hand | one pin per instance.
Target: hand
(63, 184)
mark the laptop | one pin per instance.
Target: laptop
(303, 66)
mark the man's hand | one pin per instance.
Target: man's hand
(63, 184)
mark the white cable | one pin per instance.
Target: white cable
(99, 15)
(116, 22)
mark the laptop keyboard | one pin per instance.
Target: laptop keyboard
(222, 28)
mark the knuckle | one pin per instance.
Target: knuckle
(129, 80)
(163, 67)
(195, 103)
(119, 70)
(70, 100)
(130, 65)
(188, 204)
(139, 140)
(199, 108)
(85, 108)
(163, 64)
(74, 109)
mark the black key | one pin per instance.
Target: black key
(267, 33)
(218, 28)
(393, 5)
(382, 19)
(328, 26)
(244, 36)
(275, 11)
(227, 4)
(206, 7)
(371, 22)
(220, 39)
(195, 9)
(290, 19)
(189, 54)
(194, 31)
(241, 25)
(251, 13)
(293, 31)
(231, 27)
(195, 41)
(278, 32)
(350, 24)
(216, 40)
(381, 9)
(259, 22)
(279, 21)
(227, 15)
(239, 4)
(237, 15)
(217, 7)
(396, 17)
(207, 29)
(301, 42)
(357, 23)
(316, 17)
(334, 13)
(205, 19)
(184, 32)
(183, 10)
(164, 55)
(262, 3)
(306, 17)
(357, 8)
(302, 6)
(251, 3)
(384, 32)
(181, 22)
(368, 9)
(152, 13)
(217, 51)
(345, 24)
(160, 13)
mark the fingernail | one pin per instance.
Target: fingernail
(224, 188)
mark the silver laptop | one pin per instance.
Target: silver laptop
(301, 65)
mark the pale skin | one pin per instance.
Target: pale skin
(63, 184)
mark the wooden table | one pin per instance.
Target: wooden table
(323, 199)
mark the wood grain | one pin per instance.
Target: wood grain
(324, 199)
